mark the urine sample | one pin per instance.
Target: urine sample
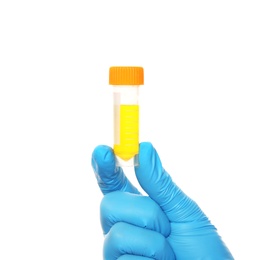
(126, 81)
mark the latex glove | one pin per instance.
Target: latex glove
(167, 224)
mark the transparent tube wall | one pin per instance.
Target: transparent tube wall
(126, 124)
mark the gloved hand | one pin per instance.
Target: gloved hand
(167, 224)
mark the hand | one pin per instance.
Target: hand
(166, 224)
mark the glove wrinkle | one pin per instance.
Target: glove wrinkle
(134, 209)
(125, 239)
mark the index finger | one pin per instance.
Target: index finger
(109, 176)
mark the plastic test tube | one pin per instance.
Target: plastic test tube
(126, 82)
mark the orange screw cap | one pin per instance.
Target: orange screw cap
(126, 75)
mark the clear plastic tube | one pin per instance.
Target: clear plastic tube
(126, 82)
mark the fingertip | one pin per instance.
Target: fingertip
(103, 164)
(102, 152)
(102, 155)
(147, 155)
(109, 176)
(146, 146)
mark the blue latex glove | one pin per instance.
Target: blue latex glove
(167, 224)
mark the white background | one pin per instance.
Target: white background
(56, 106)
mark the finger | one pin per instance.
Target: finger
(160, 187)
(109, 176)
(127, 239)
(134, 209)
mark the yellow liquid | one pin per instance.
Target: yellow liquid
(128, 145)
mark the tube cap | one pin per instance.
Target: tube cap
(126, 75)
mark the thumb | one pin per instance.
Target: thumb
(109, 176)
(158, 184)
